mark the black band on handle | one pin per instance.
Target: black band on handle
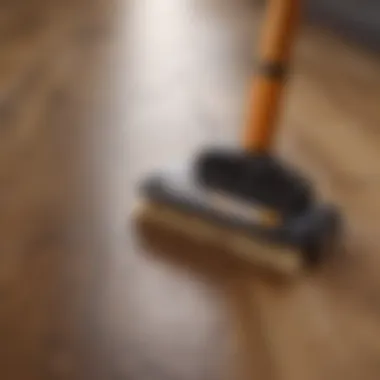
(273, 70)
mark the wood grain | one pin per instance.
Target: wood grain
(96, 93)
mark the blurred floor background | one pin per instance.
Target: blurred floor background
(95, 93)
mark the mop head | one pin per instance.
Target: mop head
(178, 213)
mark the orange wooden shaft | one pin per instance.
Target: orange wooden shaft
(265, 100)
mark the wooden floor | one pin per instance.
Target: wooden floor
(95, 93)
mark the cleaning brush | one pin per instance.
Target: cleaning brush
(244, 203)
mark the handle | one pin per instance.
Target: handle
(278, 35)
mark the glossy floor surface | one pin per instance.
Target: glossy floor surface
(96, 93)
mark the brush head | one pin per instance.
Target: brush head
(180, 214)
(168, 228)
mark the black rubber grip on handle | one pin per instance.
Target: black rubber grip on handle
(273, 70)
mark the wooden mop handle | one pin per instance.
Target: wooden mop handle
(277, 40)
